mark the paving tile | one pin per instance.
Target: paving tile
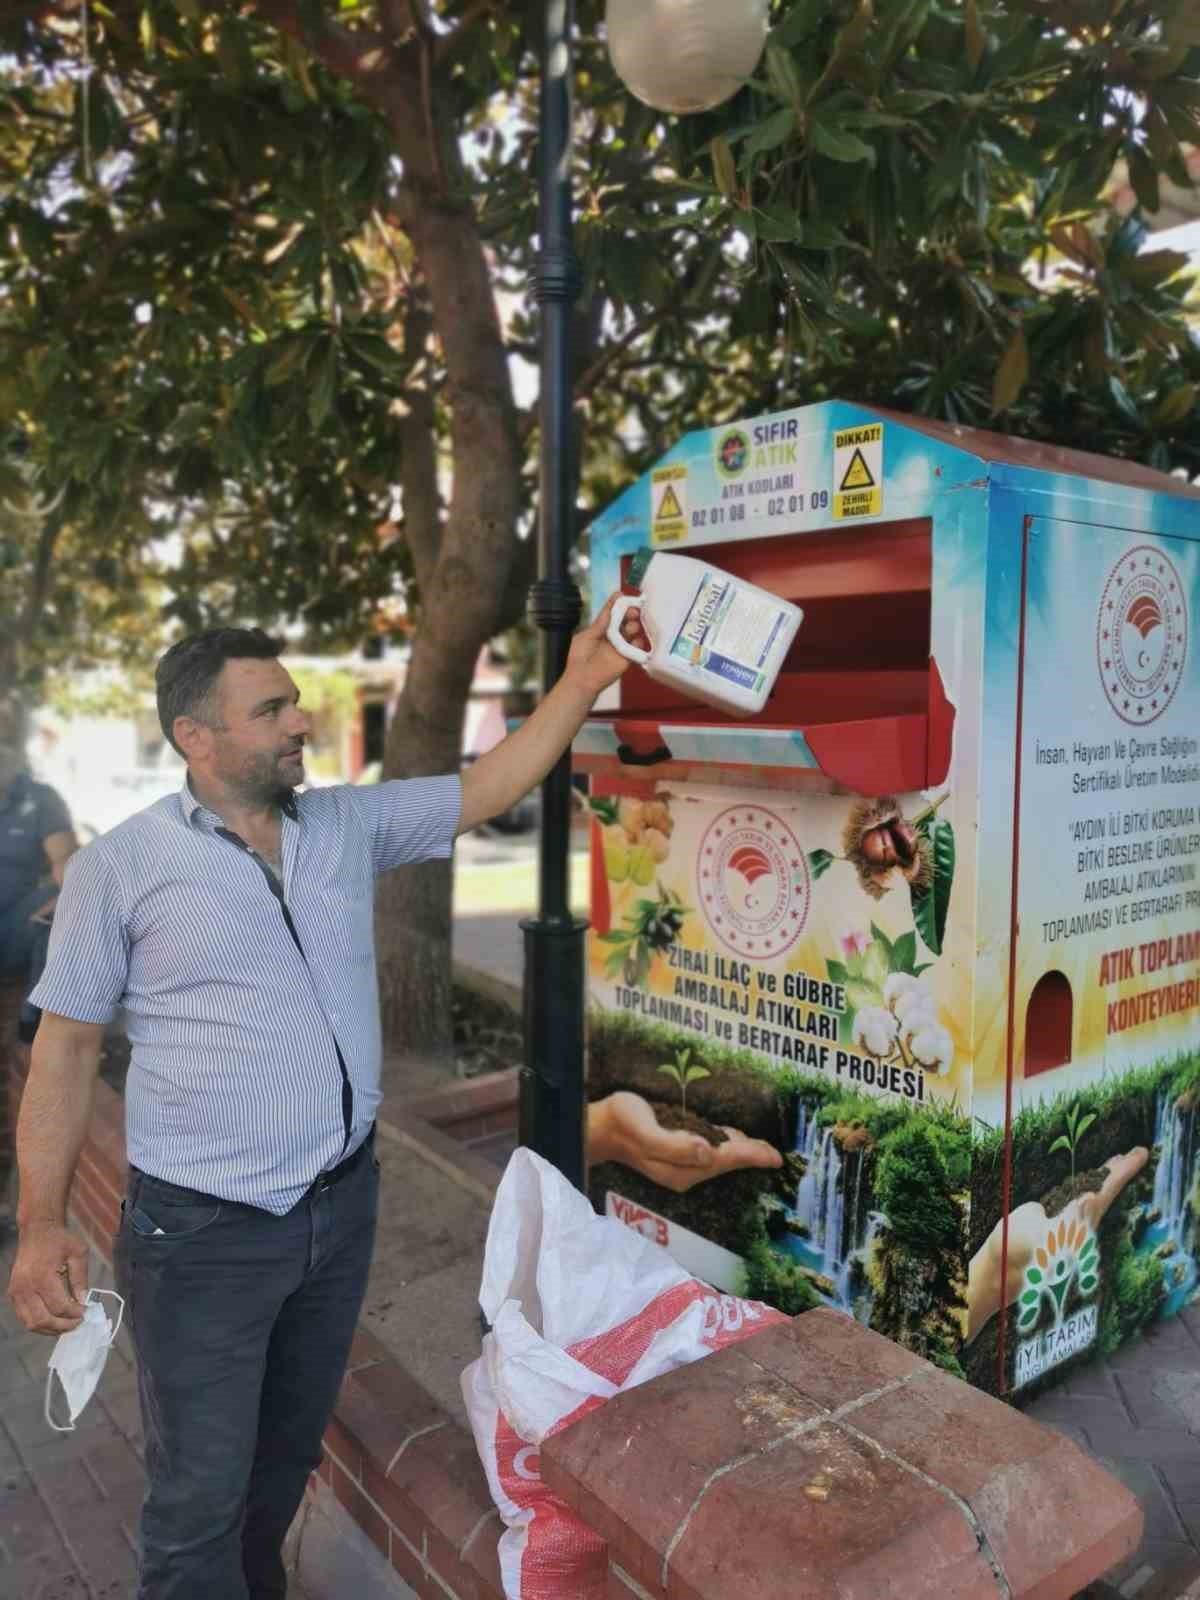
(118, 1397)
(10, 1461)
(29, 1528)
(1158, 1555)
(45, 1578)
(1163, 1521)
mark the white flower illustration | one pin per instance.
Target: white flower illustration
(913, 1003)
(932, 1047)
(875, 1030)
(897, 984)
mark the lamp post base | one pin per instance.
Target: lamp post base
(552, 1111)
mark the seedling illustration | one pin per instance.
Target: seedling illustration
(1077, 1126)
(684, 1074)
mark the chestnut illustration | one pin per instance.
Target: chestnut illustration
(879, 840)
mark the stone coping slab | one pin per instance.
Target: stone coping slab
(817, 1459)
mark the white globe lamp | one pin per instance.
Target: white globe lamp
(685, 55)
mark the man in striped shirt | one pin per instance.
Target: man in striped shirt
(233, 923)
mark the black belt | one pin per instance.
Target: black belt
(326, 1180)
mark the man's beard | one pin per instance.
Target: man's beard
(262, 779)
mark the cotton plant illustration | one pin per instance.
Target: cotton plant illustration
(886, 848)
(892, 1012)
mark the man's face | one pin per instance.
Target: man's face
(258, 747)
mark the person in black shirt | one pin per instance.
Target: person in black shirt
(36, 841)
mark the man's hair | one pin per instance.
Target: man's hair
(186, 676)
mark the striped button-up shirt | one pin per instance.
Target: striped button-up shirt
(250, 1006)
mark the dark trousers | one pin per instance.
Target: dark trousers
(23, 943)
(242, 1323)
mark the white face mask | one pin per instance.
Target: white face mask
(79, 1356)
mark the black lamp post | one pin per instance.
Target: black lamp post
(552, 1091)
(677, 55)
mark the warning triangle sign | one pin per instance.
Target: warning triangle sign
(858, 473)
(668, 506)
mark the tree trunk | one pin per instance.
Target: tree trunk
(463, 565)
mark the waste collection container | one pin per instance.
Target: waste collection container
(929, 925)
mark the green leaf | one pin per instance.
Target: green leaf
(782, 75)
(617, 936)
(641, 964)
(1151, 267)
(881, 938)
(669, 1070)
(1175, 406)
(324, 385)
(932, 903)
(861, 993)
(1012, 374)
(776, 224)
(1143, 175)
(839, 144)
(803, 17)
(820, 861)
(294, 350)
(1087, 1282)
(876, 966)
(1034, 1274)
(904, 953)
(769, 134)
(976, 37)
(1061, 1143)
(724, 169)
(836, 972)
(694, 1074)
(1030, 1297)
(1084, 1126)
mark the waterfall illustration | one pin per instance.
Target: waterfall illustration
(1171, 1234)
(1174, 1134)
(838, 1234)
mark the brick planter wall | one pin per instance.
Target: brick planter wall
(406, 1472)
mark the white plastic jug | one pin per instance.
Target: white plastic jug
(712, 636)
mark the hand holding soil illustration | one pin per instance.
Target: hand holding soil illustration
(1028, 1228)
(622, 1127)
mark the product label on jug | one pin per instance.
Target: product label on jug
(728, 632)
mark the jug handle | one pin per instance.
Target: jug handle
(623, 604)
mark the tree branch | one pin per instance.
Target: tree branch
(592, 374)
(450, 46)
(418, 451)
(361, 56)
(39, 584)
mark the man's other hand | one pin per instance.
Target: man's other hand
(45, 1298)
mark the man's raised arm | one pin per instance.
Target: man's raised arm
(498, 779)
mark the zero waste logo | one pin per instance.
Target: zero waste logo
(733, 452)
(1068, 1259)
(1141, 635)
(753, 881)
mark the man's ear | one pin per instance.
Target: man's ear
(192, 737)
